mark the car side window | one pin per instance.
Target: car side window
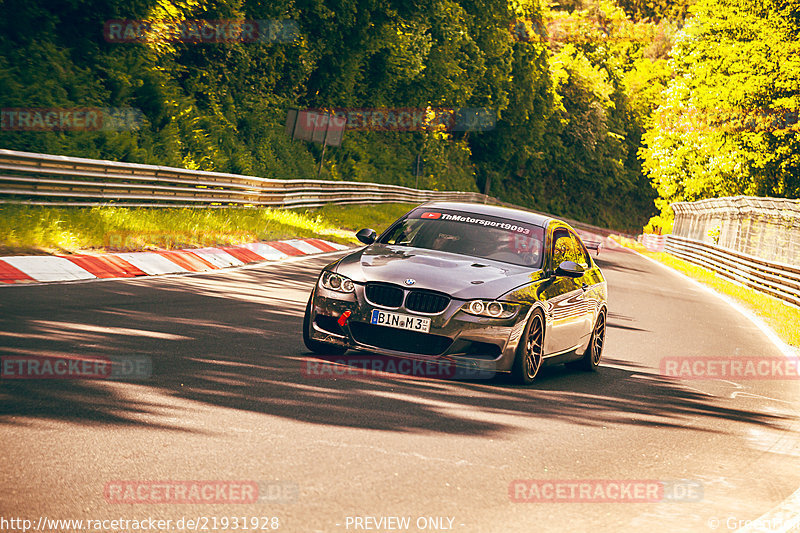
(561, 247)
(567, 248)
(403, 233)
(583, 255)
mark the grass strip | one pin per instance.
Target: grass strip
(41, 230)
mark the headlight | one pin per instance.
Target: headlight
(336, 282)
(490, 308)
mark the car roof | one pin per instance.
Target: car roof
(528, 217)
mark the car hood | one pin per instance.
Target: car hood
(457, 275)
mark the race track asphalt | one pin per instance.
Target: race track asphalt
(228, 400)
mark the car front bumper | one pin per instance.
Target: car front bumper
(479, 344)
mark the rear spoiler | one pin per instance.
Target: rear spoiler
(594, 245)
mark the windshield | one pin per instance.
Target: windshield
(479, 236)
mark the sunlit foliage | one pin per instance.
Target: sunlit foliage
(572, 86)
(728, 121)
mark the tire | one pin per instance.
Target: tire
(530, 352)
(319, 348)
(591, 357)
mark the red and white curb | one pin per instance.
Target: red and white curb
(35, 268)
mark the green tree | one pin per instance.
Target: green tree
(728, 122)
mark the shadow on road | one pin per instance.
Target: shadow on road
(233, 340)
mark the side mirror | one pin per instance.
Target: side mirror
(367, 236)
(569, 269)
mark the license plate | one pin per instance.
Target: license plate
(399, 321)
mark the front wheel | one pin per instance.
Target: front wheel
(530, 351)
(320, 348)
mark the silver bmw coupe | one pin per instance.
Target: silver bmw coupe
(474, 286)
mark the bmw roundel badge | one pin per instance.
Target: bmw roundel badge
(410, 281)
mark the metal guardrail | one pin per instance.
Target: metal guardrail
(43, 179)
(776, 279)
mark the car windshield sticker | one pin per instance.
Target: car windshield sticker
(479, 220)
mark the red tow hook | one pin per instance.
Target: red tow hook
(343, 319)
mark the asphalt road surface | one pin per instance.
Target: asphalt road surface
(228, 401)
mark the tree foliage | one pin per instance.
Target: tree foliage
(728, 121)
(572, 86)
